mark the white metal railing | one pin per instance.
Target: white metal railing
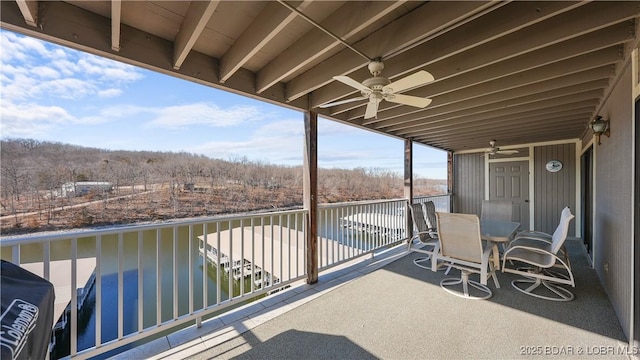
(358, 228)
(154, 277)
(159, 276)
(441, 202)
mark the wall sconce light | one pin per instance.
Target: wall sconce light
(599, 127)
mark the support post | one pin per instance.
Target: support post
(408, 182)
(311, 192)
(450, 179)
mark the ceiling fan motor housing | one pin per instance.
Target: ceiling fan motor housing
(376, 83)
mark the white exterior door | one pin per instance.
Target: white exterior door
(510, 181)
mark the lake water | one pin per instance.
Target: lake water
(109, 307)
(87, 319)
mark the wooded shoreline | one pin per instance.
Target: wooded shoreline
(152, 186)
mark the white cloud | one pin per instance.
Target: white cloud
(20, 87)
(45, 72)
(33, 69)
(279, 142)
(106, 69)
(181, 116)
(121, 111)
(31, 120)
(17, 47)
(331, 157)
(108, 93)
(64, 65)
(282, 128)
(330, 127)
(69, 88)
(39, 79)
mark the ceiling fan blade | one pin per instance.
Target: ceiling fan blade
(372, 109)
(507, 152)
(408, 100)
(418, 79)
(349, 81)
(327, 105)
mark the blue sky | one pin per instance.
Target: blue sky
(52, 93)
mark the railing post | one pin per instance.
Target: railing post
(408, 182)
(311, 192)
(15, 254)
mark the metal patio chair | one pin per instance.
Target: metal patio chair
(462, 248)
(539, 258)
(427, 240)
(496, 210)
(533, 235)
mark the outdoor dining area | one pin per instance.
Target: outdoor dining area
(490, 243)
(385, 306)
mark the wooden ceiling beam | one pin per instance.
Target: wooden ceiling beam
(539, 134)
(316, 43)
(583, 111)
(267, 25)
(471, 94)
(84, 30)
(558, 60)
(116, 15)
(505, 20)
(516, 113)
(462, 144)
(510, 97)
(552, 98)
(29, 10)
(552, 33)
(573, 126)
(410, 29)
(195, 21)
(507, 126)
(590, 98)
(583, 68)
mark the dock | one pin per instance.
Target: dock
(277, 254)
(60, 277)
(392, 225)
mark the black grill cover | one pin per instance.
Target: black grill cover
(27, 313)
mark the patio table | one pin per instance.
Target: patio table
(498, 232)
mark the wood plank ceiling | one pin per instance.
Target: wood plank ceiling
(518, 72)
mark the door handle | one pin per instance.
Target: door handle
(526, 201)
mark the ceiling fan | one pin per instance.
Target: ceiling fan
(377, 88)
(494, 150)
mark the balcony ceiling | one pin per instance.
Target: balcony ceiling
(518, 72)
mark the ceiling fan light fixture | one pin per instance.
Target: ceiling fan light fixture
(376, 67)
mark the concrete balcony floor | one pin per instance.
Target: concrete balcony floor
(388, 308)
